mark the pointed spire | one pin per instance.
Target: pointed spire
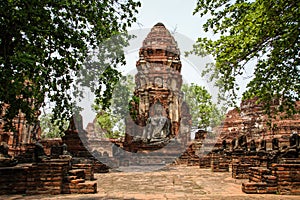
(160, 38)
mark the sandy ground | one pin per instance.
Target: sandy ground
(178, 182)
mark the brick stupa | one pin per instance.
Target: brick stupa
(157, 91)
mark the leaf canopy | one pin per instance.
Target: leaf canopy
(204, 112)
(43, 44)
(266, 31)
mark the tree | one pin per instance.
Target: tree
(50, 129)
(112, 120)
(263, 30)
(43, 45)
(204, 112)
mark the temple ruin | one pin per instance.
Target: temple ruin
(23, 135)
(245, 147)
(249, 148)
(156, 109)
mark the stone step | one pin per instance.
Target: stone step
(258, 188)
(88, 187)
(69, 178)
(79, 173)
(77, 181)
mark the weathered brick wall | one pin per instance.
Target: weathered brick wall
(281, 178)
(190, 157)
(252, 122)
(13, 180)
(205, 161)
(53, 176)
(219, 163)
(48, 143)
(288, 178)
(47, 177)
(241, 166)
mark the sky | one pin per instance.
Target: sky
(174, 14)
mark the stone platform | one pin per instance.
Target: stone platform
(178, 182)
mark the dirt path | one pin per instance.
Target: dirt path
(170, 183)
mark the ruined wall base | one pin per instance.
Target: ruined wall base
(282, 178)
(54, 176)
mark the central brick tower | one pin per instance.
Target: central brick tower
(158, 86)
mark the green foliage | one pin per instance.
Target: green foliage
(52, 129)
(43, 45)
(107, 123)
(112, 120)
(99, 71)
(132, 109)
(204, 112)
(263, 30)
